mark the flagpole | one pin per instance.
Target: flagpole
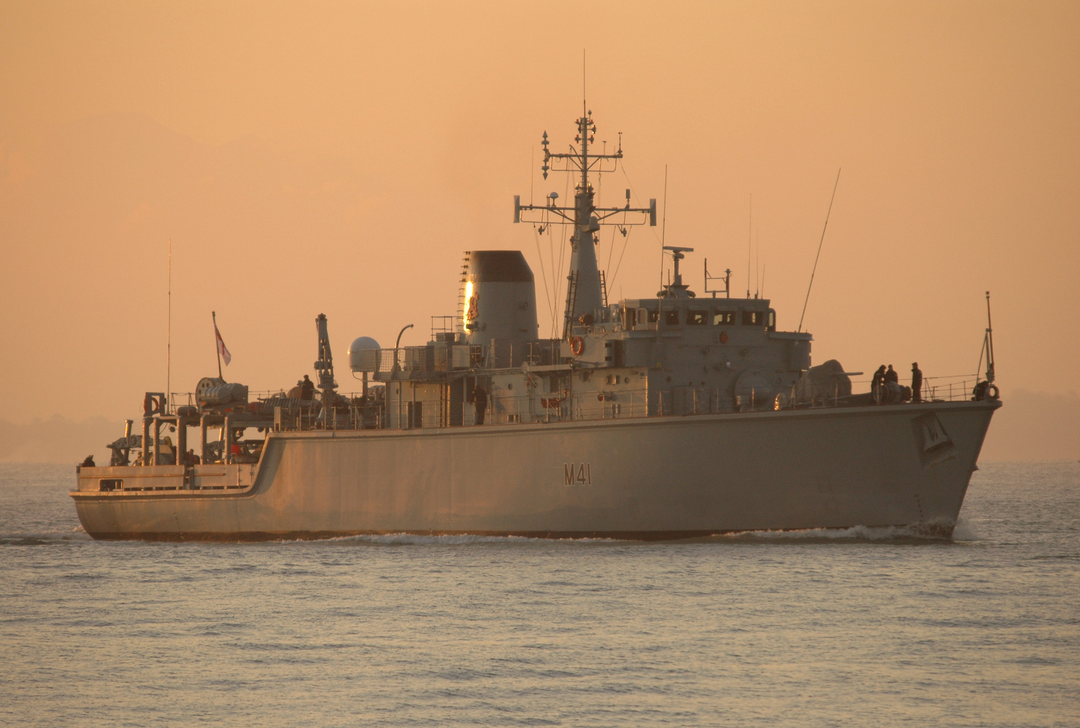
(216, 347)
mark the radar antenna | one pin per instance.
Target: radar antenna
(676, 289)
(584, 275)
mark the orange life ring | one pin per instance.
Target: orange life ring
(577, 345)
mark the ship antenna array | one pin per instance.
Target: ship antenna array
(583, 280)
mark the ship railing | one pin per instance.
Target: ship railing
(449, 354)
(558, 407)
(355, 413)
(506, 409)
(943, 388)
(446, 328)
(180, 399)
(686, 401)
(352, 412)
(613, 404)
(957, 388)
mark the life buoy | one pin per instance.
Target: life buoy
(577, 345)
(992, 392)
(723, 337)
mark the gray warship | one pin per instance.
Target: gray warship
(665, 417)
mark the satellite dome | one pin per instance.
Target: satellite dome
(356, 358)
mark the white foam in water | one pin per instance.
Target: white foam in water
(965, 531)
(859, 533)
(856, 533)
(396, 539)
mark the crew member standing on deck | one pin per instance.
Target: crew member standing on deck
(916, 383)
(892, 376)
(479, 399)
(307, 389)
(875, 385)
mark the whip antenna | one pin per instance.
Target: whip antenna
(749, 235)
(989, 343)
(663, 231)
(819, 251)
(168, 345)
(583, 96)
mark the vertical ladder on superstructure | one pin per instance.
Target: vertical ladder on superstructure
(571, 299)
(603, 289)
(462, 303)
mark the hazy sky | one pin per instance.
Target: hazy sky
(337, 158)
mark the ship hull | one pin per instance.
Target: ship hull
(648, 478)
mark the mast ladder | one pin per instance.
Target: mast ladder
(571, 299)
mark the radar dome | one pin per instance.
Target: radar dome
(358, 362)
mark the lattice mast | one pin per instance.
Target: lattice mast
(584, 288)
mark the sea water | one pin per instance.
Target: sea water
(860, 627)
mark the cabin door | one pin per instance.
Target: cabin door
(455, 402)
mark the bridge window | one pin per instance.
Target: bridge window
(723, 317)
(671, 317)
(697, 318)
(770, 321)
(753, 318)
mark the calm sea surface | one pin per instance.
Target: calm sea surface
(868, 628)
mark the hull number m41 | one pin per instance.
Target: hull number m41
(575, 474)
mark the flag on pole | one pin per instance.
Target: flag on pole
(222, 351)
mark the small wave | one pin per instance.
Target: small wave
(414, 539)
(43, 539)
(1072, 556)
(901, 534)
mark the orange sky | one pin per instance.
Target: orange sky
(339, 157)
